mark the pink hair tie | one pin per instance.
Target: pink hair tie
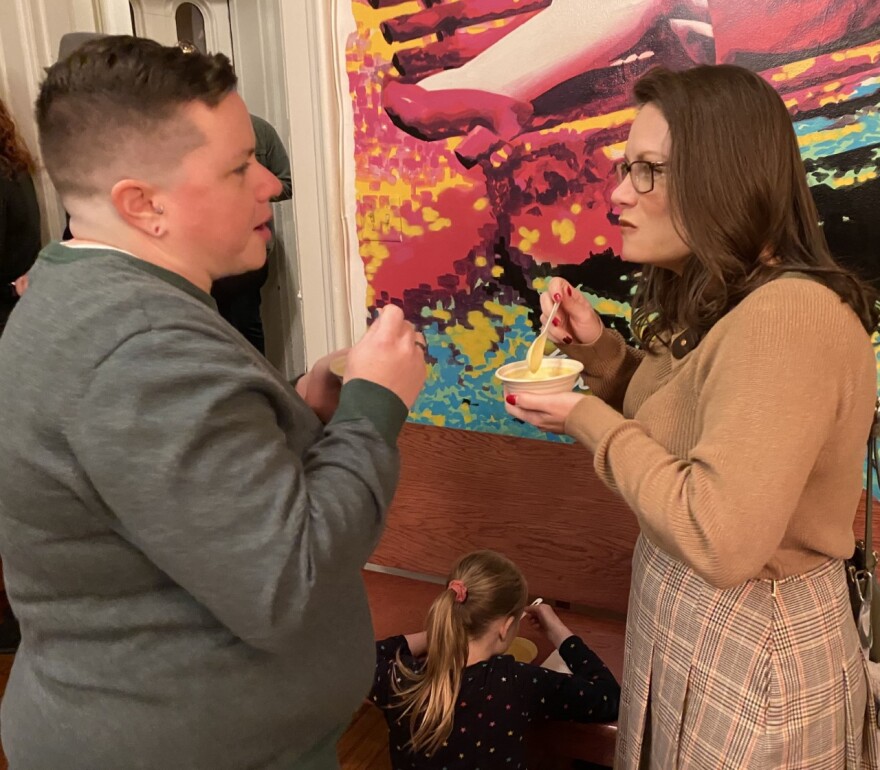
(459, 589)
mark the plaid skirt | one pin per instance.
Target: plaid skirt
(768, 674)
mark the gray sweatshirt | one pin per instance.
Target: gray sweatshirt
(181, 536)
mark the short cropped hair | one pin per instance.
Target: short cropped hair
(115, 103)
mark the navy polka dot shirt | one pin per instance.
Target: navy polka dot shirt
(498, 699)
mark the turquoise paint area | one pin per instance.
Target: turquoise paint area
(467, 395)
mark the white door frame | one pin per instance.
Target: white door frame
(320, 146)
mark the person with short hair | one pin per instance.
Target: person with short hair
(182, 529)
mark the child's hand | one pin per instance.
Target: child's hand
(544, 619)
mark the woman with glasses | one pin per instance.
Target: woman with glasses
(735, 432)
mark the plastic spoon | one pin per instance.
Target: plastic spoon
(536, 351)
(537, 601)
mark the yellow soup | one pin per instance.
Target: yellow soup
(549, 368)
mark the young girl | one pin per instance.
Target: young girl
(454, 700)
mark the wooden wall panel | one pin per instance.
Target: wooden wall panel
(538, 502)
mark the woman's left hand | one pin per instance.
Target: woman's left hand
(545, 411)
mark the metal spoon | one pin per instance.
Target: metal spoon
(536, 351)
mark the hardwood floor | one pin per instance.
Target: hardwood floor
(364, 746)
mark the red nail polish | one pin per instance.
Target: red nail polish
(556, 322)
(511, 399)
(569, 291)
(567, 340)
(557, 297)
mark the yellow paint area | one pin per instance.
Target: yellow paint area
(609, 306)
(439, 312)
(600, 240)
(528, 238)
(851, 178)
(792, 70)
(368, 20)
(480, 204)
(438, 419)
(436, 222)
(831, 135)
(365, 184)
(871, 50)
(374, 253)
(475, 339)
(480, 262)
(597, 122)
(615, 151)
(497, 271)
(508, 314)
(564, 229)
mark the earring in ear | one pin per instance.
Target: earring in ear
(159, 209)
(157, 230)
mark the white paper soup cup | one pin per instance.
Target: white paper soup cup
(337, 366)
(556, 375)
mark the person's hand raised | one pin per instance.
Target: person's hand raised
(543, 618)
(320, 388)
(575, 321)
(391, 354)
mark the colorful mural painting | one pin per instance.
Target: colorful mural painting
(485, 136)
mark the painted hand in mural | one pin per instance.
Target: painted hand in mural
(493, 91)
(391, 354)
(498, 83)
(575, 321)
(546, 412)
(320, 388)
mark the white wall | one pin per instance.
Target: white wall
(318, 144)
(29, 38)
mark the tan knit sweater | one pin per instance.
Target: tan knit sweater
(744, 458)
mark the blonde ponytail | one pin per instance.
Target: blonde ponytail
(484, 586)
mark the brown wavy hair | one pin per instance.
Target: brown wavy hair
(495, 589)
(14, 155)
(739, 199)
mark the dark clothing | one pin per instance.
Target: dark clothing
(19, 235)
(497, 701)
(238, 299)
(238, 296)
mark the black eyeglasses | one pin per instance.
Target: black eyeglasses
(641, 172)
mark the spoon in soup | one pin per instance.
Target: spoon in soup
(536, 351)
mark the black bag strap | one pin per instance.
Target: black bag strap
(872, 467)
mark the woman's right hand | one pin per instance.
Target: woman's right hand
(544, 619)
(575, 321)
